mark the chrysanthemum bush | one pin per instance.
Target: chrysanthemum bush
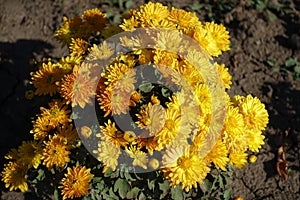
(136, 110)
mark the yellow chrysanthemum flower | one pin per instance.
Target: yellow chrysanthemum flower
(218, 155)
(150, 12)
(14, 176)
(78, 47)
(165, 58)
(183, 167)
(255, 140)
(140, 158)
(110, 133)
(218, 36)
(238, 159)
(76, 182)
(68, 133)
(108, 153)
(234, 135)
(203, 96)
(149, 142)
(69, 63)
(94, 20)
(56, 152)
(130, 24)
(57, 113)
(45, 78)
(254, 112)
(224, 74)
(170, 128)
(183, 19)
(116, 72)
(71, 28)
(30, 153)
(171, 41)
(78, 88)
(41, 128)
(102, 52)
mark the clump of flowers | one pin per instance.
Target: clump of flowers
(135, 118)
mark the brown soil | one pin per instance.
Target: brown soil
(27, 29)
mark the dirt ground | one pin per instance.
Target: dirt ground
(26, 33)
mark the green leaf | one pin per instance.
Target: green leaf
(226, 195)
(196, 6)
(220, 179)
(151, 184)
(122, 186)
(271, 63)
(129, 177)
(108, 173)
(101, 185)
(164, 187)
(96, 180)
(177, 193)
(271, 15)
(41, 175)
(109, 14)
(117, 18)
(142, 196)
(165, 92)
(133, 193)
(290, 62)
(146, 87)
(129, 4)
(112, 195)
(297, 69)
(56, 194)
(206, 185)
(260, 5)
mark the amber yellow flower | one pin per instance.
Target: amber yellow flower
(45, 78)
(110, 133)
(78, 47)
(218, 155)
(114, 102)
(218, 38)
(68, 133)
(238, 159)
(76, 182)
(94, 20)
(30, 153)
(180, 166)
(70, 63)
(224, 74)
(56, 152)
(57, 113)
(152, 12)
(102, 52)
(234, 135)
(130, 24)
(254, 112)
(116, 72)
(41, 128)
(70, 29)
(108, 153)
(255, 140)
(78, 88)
(170, 128)
(139, 157)
(183, 19)
(14, 176)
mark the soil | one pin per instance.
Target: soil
(27, 29)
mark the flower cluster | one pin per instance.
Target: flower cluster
(179, 123)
